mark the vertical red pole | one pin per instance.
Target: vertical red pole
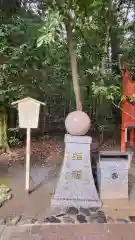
(131, 137)
(123, 147)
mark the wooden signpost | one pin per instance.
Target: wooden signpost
(28, 111)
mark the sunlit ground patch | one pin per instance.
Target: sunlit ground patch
(3, 181)
(4, 192)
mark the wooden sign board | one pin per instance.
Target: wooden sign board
(28, 114)
(28, 111)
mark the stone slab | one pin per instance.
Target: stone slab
(127, 155)
(16, 233)
(72, 232)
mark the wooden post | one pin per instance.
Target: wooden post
(28, 111)
(27, 182)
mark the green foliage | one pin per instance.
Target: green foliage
(14, 141)
(22, 66)
(50, 32)
(34, 59)
(108, 92)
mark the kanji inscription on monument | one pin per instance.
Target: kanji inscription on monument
(76, 174)
(77, 156)
(76, 185)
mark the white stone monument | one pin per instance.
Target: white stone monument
(113, 169)
(28, 111)
(76, 185)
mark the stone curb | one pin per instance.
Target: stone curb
(58, 224)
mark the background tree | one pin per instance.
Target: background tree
(66, 53)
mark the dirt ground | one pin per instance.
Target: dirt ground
(46, 160)
(37, 203)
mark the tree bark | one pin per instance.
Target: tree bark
(115, 49)
(3, 131)
(68, 21)
(115, 43)
(73, 60)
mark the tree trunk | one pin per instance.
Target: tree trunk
(115, 50)
(3, 131)
(114, 36)
(73, 60)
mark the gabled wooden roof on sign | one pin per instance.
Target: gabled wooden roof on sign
(27, 99)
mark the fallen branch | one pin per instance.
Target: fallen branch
(117, 106)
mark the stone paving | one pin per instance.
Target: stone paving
(66, 232)
(71, 216)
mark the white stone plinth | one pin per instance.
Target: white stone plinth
(76, 185)
(113, 174)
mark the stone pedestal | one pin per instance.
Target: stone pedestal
(113, 174)
(76, 185)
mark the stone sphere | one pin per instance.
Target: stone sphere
(77, 123)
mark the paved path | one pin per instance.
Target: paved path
(66, 232)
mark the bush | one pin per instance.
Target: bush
(14, 141)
